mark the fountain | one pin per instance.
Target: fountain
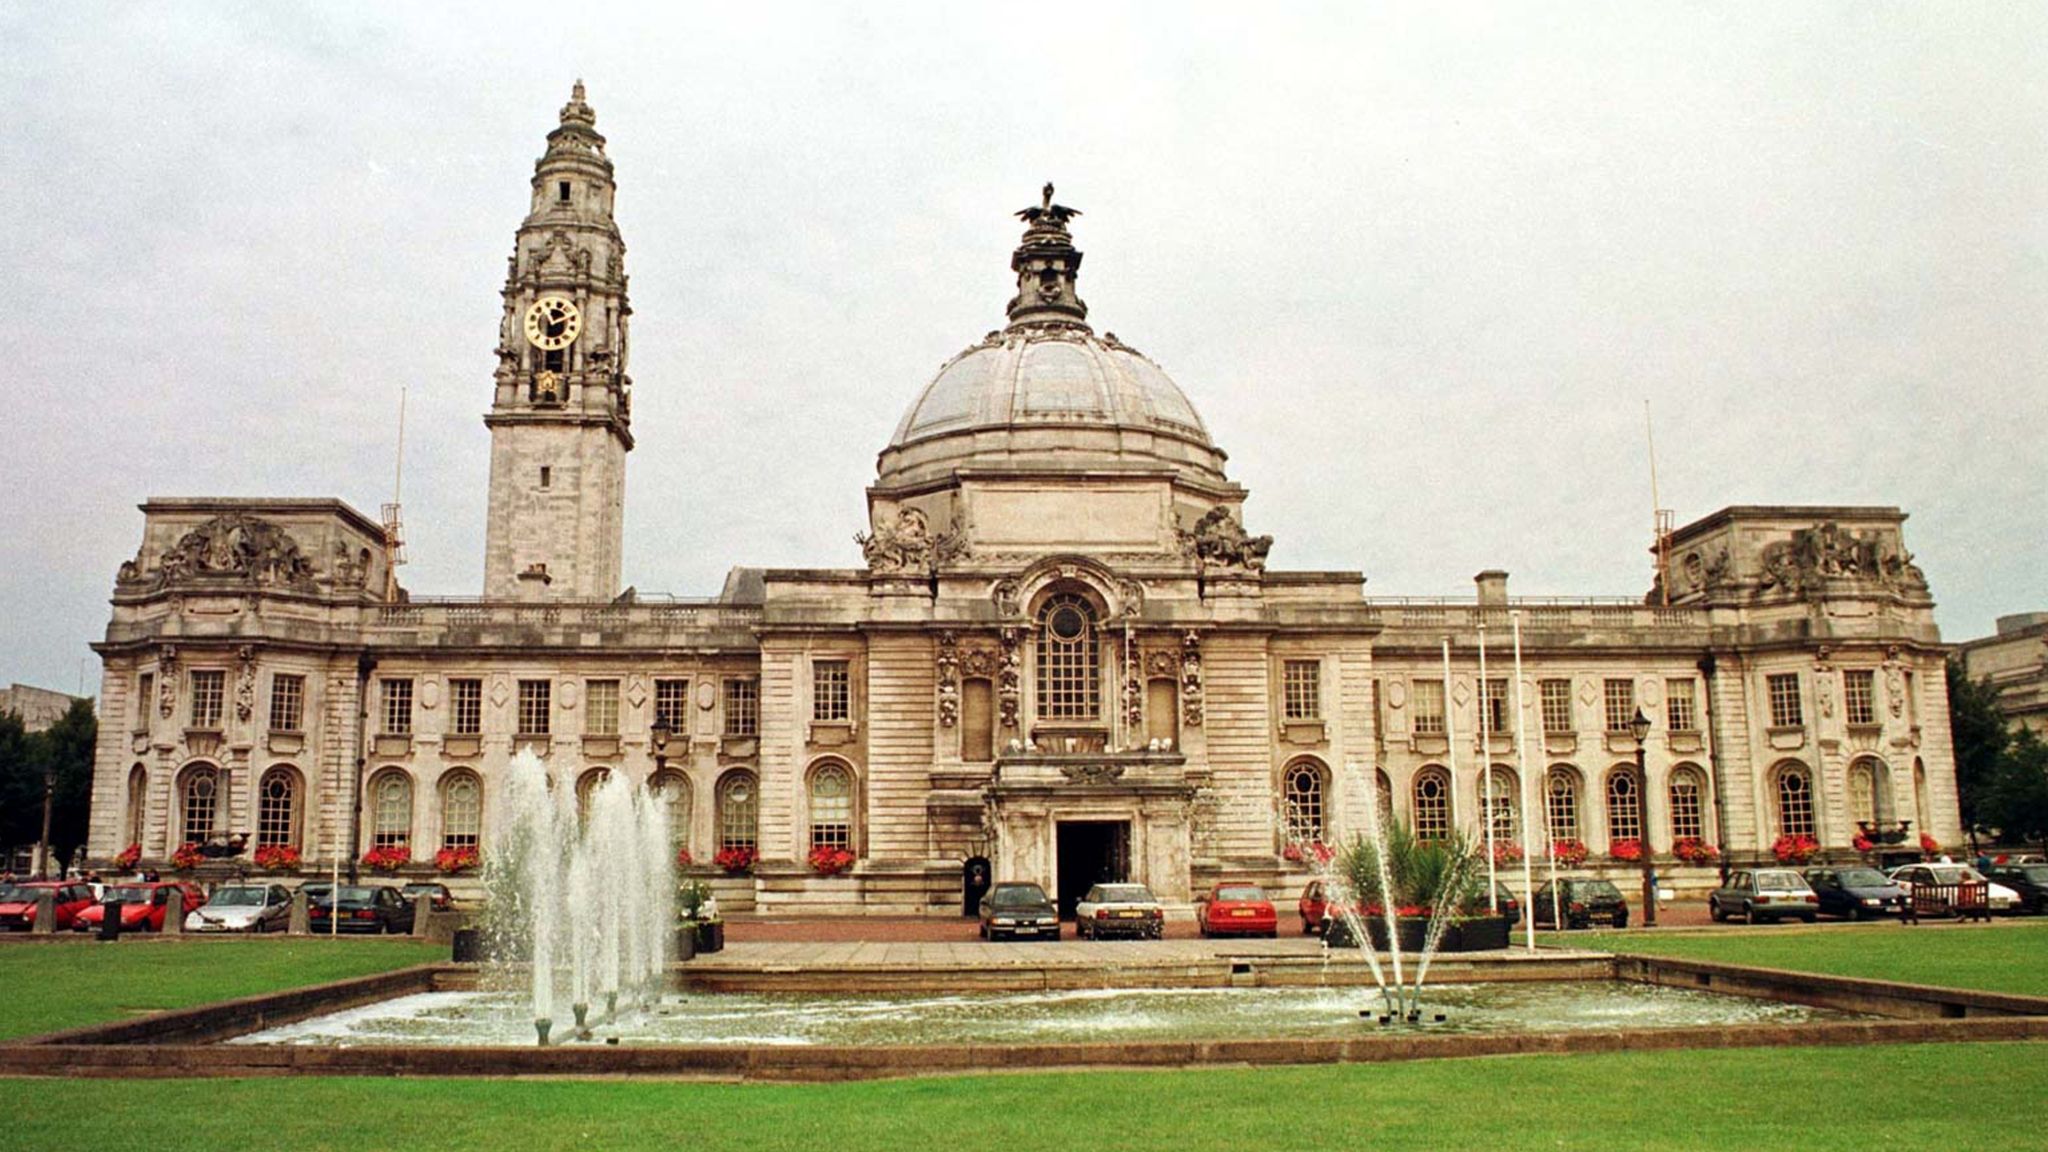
(586, 899)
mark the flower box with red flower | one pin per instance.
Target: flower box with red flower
(388, 859)
(1862, 844)
(1693, 850)
(1507, 852)
(277, 857)
(187, 856)
(736, 861)
(453, 861)
(1795, 849)
(683, 858)
(829, 861)
(1570, 853)
(127, 858)
(1628, 850)
(1929, 846)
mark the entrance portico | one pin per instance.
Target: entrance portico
(1069, 820)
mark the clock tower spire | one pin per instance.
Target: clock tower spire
(561, 413)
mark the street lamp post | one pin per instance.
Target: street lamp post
(658, 737)
(1640, 729)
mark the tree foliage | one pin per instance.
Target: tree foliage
(65, 752)
(1981, 737)
(2017, 801)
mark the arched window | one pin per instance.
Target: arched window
(1688, 809)
(674, 790)
(1624, 806)
(739, 810)
(1869, 791)
(1432, 804)
(1561, 803)
(586, 787)
(1383, 789)
(1069, 685)
(1506, 807)
(462, 809)
(1302, 802)
(198, 800)
(1795, 801)
(138, 802)
(277, 808)
(391, 809)
(831, 806)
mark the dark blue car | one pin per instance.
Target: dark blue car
(1854, 893)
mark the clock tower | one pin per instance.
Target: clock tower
(561, 416)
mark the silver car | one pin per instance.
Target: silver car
(1119, 910)
(243, 908)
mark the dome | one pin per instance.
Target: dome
(1047, 391)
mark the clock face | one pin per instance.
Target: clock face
(552, 323)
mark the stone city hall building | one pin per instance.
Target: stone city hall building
(1064, 658)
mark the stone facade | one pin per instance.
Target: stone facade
(2015, 660)
(1064, 655)
(38, 708)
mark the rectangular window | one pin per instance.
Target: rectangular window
(1301, 689)
(466, 706)
(601, 707)
(535, 707)
(287, 703)
(1557, 705)
(742, 706)
(1786, 711)
(1681, 707)
(1428, 697)
(831, 691)
(1621, 704)
(1859, 696)
(1493, 702)
(208, 688)
(145, 699)
(397, 711)
(671, 705)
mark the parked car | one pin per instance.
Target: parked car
(1014, 909)
(1237, 909)
(1855, 892)
(18, 903)
(367, 908)
(443, 898)
(143, 906)
(1314, 907)
(243, 908)
(2030, 881)
(1998, 896)
(1505, 901)
(1755, 894)
(1119, 910)
(1579, 902)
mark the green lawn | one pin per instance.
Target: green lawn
(2002, 957)
(45, 987)
(1854, 1099)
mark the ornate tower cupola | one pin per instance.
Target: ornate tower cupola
(561, 414)
(1047, 264)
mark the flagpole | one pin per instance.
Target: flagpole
(1451, 736)
(1522, 770)
(1486, 767)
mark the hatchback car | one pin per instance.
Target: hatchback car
(1578, 903)
(1855, 892)
(374, 909)
(443, 898)
(143, 906)
(1012, 909)
(2030, 881)
(243, 908)
(1764, 894)
(18, 903)
(1998, 896)
(1119, 910)
(1235, 909)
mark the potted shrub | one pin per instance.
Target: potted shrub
(1430, 885)
(698, 926)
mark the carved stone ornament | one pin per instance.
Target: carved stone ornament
(1092, 772)
(1191, 680)
(230, 546)
(1813, 556)
(1131, 596)
(1004, 596)
(949, 679)
(1162, 662)
(351, 568)
(167, 681)
(907, 545)
(1009, 680)
(1824, 690)
(245, 684)
(979, 663)
(1218, 540)
(1134, 686)
(1894, 682)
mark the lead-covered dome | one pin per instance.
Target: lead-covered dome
(1047, 392)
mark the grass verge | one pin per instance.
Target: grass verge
(46, 987)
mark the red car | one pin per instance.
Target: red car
(142, 906)
(1236, 909)
(18, 903)
(1314, 905)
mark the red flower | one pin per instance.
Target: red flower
(736, 861)
(127, 857)
(1795, 849)
(683, 859)
(187, 856)
(1929, 845)
(1694, 850)
(388, 859)
(1628, 850)
(829, 861)
(455, 860)
(275, 856)
(1570, 853)
(1507, 852)
(1862, 843)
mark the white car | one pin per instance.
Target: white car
(2001, 898)
(1119, 910)
(243, 908)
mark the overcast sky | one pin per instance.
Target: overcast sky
(1419, 268)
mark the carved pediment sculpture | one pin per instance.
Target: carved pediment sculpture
(949, 679)
(907, 544)
(231, 546)
(1802, 564)
(1218, 540)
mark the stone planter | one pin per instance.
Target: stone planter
(1472, 934)
(711, 936)
(686, 943)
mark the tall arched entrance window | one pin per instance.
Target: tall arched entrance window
(1795, 801)
(1688, 804)
(1561, 802)
(1624, 806)
(391, 809)
(277, 808)
(462, 809)
(1069, 680)
(1506, 806)
(198, 804)
(739, 811)
(1301, 789)
(1432, 804)
(831, 806)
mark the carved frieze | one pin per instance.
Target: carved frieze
(230, 546)
(1004, 596)
(167, 681)
(1010, 680)
(1218, 541)
(906, 544)
(245, 683)
(1191, 680)
(1134, 687)
(1803, 564)
(949, 679)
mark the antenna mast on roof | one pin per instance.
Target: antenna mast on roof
(394, 527)
(1661, 515)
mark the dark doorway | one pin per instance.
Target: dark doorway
(973, 885)
(1091, 852)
